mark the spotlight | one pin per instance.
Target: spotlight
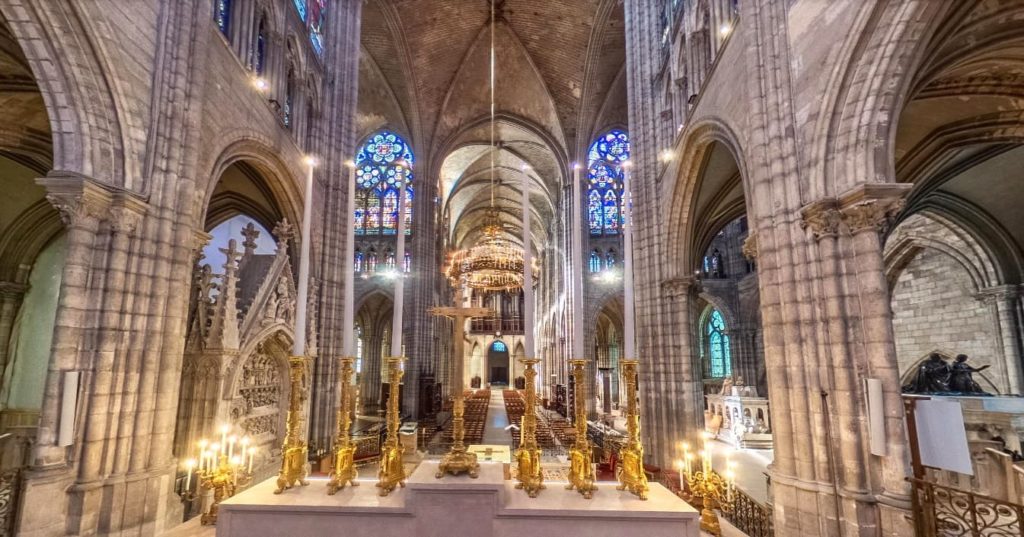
(666, 155)
(725, 29)
(260, 84)
(311, 161)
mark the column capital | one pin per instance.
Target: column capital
(873, 207)
(127, 212)
(678, 287)
(749, 248)
(12, 290)
(996, 293)
(79, 199)
(822, 217)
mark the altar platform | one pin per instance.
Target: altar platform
(455, 506)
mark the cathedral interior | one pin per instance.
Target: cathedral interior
(248, 240)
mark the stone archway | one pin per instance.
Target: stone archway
(498, 361)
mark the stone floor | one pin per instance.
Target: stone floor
(497, 420)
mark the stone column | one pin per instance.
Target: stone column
(11, 295)
(83, 204)
(867, 212)
(1005, 299)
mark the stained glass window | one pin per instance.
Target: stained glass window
(499, 346)
(609, 259)
(595, 261)
(222, 15)
(407, 263)
(719, 362)
(300, 6)
(604, 197)
(260, 54)
(359, 260)
(377, 184)
(317, 16)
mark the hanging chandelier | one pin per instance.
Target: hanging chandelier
(494, 263)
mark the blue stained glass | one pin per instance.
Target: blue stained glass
(378, 184)
(594, 216)
(499, 346)
(300, 6)
(605, 158)
(359, 261)
(595, 262)
(609, 259)
(718, 346)
(259, 58)
(317, 16)
(222, 15)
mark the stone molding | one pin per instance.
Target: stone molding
(992, 295)
(12, 290)
(127, 213)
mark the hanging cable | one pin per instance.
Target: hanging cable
(493, 61)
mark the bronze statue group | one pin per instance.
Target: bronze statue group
(937, 376)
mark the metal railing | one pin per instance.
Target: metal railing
(510, 326)
(749, 516)
(10, 482)
(946, 511)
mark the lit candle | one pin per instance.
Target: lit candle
(252, 455)
(190, 466)
(348, 346)
(577, 264)
(627, 265)
(231, 445)
(689, 465)
(681, 465)
(224, 434)
(396, 322)
(527, 269)
(302, 300)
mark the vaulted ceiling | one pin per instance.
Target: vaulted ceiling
(424, 73)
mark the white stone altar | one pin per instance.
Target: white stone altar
(454, 506)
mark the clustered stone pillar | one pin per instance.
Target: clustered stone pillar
(1006, 303)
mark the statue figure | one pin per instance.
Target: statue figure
(932, 376)
(716, 264)
(726, 386)
(960, 377)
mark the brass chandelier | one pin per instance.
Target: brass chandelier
(493, 264)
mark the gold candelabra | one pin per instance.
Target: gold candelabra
(528, 471)
(391, 473)
(344, 471)
(581, 464)
(294, 453)
(458, 459)
(705, 488)
(221, 469)
(631, 471)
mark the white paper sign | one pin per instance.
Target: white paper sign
(876, 417)
(942, 437)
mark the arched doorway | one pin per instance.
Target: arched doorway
(497, 363)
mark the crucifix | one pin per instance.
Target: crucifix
(458, 460)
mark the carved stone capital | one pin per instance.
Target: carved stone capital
(999, 293)
(873, 207)
(677, 287)
(822, 218)
(749, 248)
(80, 200)
(127, 213)
(12, 290)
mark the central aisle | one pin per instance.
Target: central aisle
(497, 420)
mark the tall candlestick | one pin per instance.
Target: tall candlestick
(578, 270)
(299, 347)
(348, 340)
(627, 268)
(527, 270)
(396, 323)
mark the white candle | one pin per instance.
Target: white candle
(627, 268)
(396, 323)
(223, 435)
(348, 345)
(579, 269)
(527, 270)
(299, 347)
(190, 466)
(231, 446)
(252, 455)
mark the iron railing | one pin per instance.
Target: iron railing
(749, 516)
(10, 482)
(942, 511)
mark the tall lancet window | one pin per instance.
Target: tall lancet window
(717, 358)
(604, 171)
(222, 15)
(259, 56)
(376, 185)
